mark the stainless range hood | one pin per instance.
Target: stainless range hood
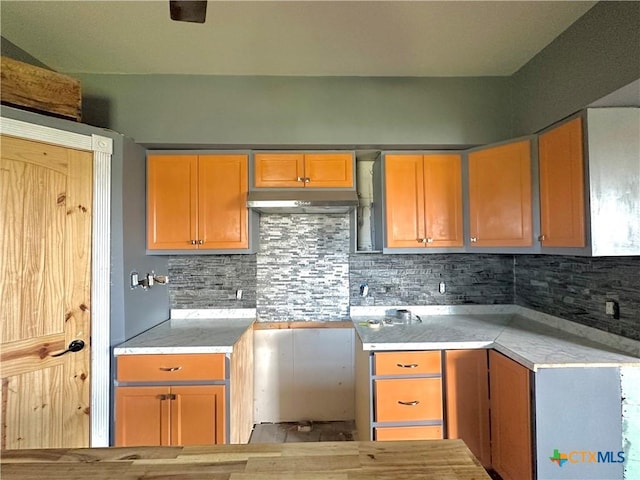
(302, 201)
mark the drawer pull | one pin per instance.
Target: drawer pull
(170, 369)
(409, 404)
(406, 365)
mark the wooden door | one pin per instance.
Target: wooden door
(404, 201)
(142, 416)
(467, 387)
(443, 200)
(222, 202)
(500, 196)
(45, 287)
(172, 196)
(511, 453)
(562, 186)
(328, 170)
(279, 170)
(198, 415)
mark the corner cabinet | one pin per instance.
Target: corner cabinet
(423, 200)
(500, 200)
(562, 198)
(303, 170)
(197, 202)
(511, 437)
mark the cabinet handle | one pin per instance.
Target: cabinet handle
(307, 179)
(421, 240)
(474, 239)
(542, 238)
(200, 242)
(300, 179)
(192, 242)
(409, 404)
(170, 369)
(429, 240)
(406, 365)
(169, 396)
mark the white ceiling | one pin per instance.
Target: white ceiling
(361, 38)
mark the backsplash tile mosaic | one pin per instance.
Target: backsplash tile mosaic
(211, 281)
(576, 288)
(303, 267)
(415, 279)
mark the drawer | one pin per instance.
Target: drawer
(410, 399)
(170, 367)
(407, 363)
(431, 432)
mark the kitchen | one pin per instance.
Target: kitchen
(502, 279)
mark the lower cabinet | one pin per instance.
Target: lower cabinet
(479, 396)
(156, 406)
(176, 415)
(467, 390)
(511, 451)
(407, 395)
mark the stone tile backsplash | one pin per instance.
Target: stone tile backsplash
(303, 267)
(304, 271)
(211, 281)
(576, 288)
(414, 279)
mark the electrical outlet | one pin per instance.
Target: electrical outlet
(239, 294)
(442, 288)
(611, 308)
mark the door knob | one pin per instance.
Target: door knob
(74, 346)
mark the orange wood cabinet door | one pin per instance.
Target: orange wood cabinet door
(197, 202)
(279, 170)
(408, 399)
(299, 170)
(328, 170)
(404, 200)
(423, 200)
(443, 200)
(430, 432)
(172, 196)
(198, 415)
(467, 387)
(176, 415)
(223, 216)
(511, 452)
(142, 416)
(562, 186)
(500, 196)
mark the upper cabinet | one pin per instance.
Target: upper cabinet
(197, 202)
(561, 164)
(303, 170)
(423, 200)
(500, 202)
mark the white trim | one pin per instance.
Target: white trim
(102, 148)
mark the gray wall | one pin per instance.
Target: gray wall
(188, 110)
(576, 288)
(595, 56)
(11, 50)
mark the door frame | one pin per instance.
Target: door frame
(102, 149)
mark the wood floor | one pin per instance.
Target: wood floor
(291, 432)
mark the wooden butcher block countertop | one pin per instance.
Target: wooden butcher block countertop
(425, 459)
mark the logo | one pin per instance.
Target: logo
(586, 456)
(559, 458)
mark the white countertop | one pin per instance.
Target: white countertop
(525, 336)
(192, 331)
